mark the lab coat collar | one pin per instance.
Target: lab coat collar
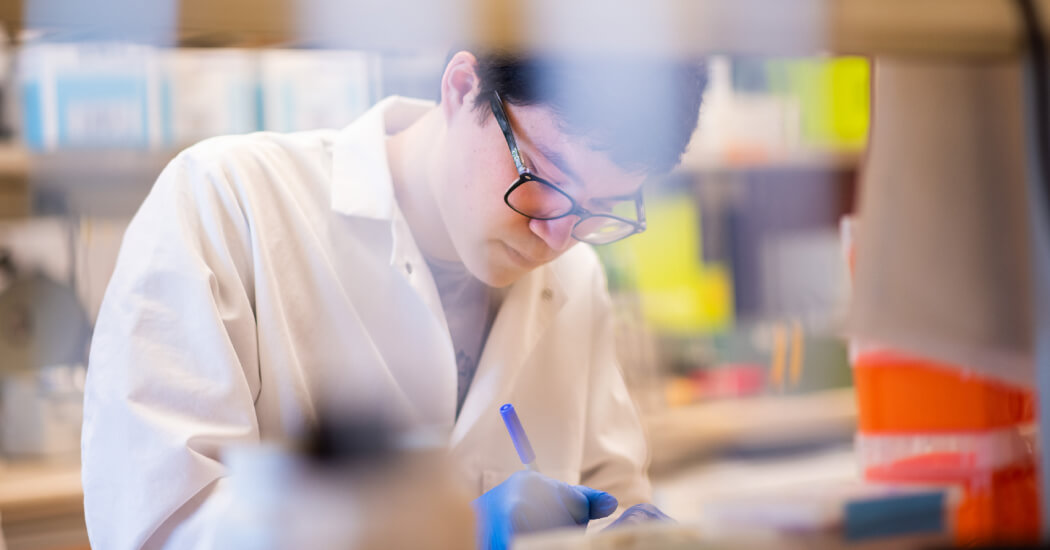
(361, 181)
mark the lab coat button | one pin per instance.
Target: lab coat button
(408, 268)
(547, 294)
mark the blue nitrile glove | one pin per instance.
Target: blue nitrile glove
(639, 513)
(529, 501)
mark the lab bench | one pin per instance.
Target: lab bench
(788, 500)
(681, 435)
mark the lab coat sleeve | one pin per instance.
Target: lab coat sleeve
(173, 367)
(615, 456)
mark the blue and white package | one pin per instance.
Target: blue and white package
(89, 95)
(311, 89)
(209, 92)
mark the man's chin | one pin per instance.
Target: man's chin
(500, 276)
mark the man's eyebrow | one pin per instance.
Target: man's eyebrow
(558, 160)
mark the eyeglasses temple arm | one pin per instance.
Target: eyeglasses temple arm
(504, 125)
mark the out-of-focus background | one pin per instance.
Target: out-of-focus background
(732, 307)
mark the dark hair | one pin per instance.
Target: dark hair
(641, 111)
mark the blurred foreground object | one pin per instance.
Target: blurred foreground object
(355, 486)
(815, 515)
(942, 313)
(971, 27)
(643, 536)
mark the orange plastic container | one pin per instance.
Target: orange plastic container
(999, 503)
(925, 422)
(899, 393)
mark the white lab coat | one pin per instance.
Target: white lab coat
(268, 272)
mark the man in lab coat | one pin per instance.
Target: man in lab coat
(423, 261)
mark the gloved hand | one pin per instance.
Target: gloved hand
(529, 501)
(639, 513)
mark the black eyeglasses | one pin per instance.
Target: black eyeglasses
(536, 198)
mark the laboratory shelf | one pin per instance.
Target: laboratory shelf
(103, 183)
(681, 435)
(783, 161)
(14, 162)
(14, 189)
(113, 182)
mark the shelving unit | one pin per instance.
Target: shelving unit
(14, 187)
(813, 159)
(104, 183)
(110, 183)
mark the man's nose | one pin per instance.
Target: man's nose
(556, 233)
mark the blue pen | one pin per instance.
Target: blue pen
(518, 437)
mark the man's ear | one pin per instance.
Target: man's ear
(459, 84)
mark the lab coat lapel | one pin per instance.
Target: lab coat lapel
(362, 187)
(527, 312)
